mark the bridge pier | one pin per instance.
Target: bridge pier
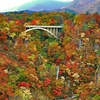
(57, 32)
(54, 31)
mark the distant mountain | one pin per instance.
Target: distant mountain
(83, 6)
(41, 5)
(76, 6)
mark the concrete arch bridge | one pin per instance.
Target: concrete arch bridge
(51, 30)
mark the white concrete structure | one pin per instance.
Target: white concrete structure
(52, 30)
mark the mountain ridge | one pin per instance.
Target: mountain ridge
(75, 6)
(41, 5)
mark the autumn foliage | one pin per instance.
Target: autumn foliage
(34, 66)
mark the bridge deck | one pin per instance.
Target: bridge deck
(36, 26)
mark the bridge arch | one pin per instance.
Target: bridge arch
(41, 29)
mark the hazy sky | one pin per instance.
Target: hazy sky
(7, 4)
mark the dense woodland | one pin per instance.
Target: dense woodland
(36, 66)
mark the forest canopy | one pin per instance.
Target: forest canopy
(35, 66)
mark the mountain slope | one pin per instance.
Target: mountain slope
(93, 7)
(79, 4)
(82, 6)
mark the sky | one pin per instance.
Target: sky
(8, 4)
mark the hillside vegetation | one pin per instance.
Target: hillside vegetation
(36, 66)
